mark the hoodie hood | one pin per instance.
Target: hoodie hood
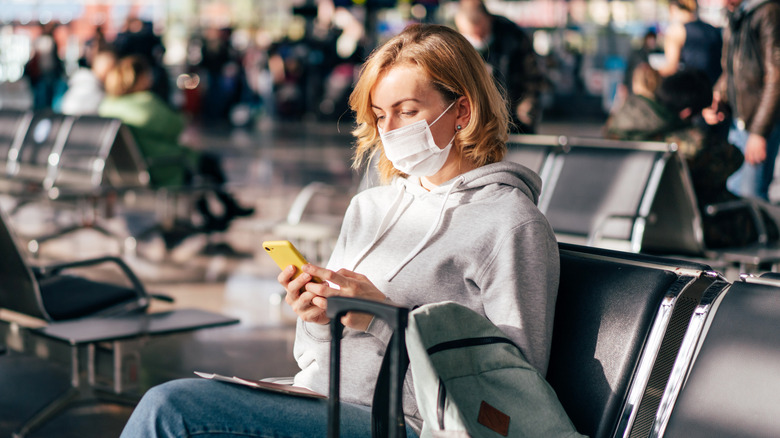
(481, 182)
(502, 173)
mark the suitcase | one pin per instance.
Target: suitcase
(387, 416)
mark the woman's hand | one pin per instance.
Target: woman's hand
(350, 284)
(303, 302)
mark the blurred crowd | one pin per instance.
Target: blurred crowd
(716, 94)
(286, 79)
(312, 76)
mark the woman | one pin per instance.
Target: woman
(456, 223)
(156, 128)
(691, 44)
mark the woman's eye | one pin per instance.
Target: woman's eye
(409, 113)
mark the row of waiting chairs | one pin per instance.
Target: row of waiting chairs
(632, 196)
(62, 154)
(87, 164)
(627, 195)
(645, 346)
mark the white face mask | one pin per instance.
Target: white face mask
(412, 149)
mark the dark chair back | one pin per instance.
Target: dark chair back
(599, 191)
(633, 196)
(675, 223)
(535, 152)
(18, 287)
(13, 126)
(618, 324)
(99, 151)
(732, 387)
(31, 160)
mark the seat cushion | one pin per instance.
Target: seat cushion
(68, 297)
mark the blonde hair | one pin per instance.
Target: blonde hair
(129, 75)
(688, 5)
(645, 80)
(455, 69)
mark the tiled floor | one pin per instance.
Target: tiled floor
(267, 168)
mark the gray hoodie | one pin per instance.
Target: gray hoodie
(478, 240)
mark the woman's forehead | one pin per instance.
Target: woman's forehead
(401, 81)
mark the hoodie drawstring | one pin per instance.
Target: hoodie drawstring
(383, 227)
(390, 275)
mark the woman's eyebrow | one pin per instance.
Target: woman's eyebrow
(407, 99)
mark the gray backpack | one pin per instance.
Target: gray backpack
(471, 380)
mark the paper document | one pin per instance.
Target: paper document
(260, 384)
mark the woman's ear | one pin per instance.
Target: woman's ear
(463, 111)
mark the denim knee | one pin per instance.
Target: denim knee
(162, 410)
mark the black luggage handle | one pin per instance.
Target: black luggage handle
(397, 318)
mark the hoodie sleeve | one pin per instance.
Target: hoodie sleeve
(519, 287)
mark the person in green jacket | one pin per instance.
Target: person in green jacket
(156, 128)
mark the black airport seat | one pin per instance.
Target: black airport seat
(82, 312)
(619, 324)
(732, 387)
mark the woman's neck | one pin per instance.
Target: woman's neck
(451, 169)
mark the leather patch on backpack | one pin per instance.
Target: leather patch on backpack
(493, 419)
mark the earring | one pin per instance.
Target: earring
(458, 127)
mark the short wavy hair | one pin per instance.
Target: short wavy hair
(125, 77)
(455, 69)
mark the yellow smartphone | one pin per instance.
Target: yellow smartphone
(285, 254)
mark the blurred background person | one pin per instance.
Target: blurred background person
(45, 69)
(690, 43)
(509, 52)
(639, 117)
(138, 38)
(748, 92)
(641, 55)
(156, 128)
(674, 116)
(86, 87)
(220, 65)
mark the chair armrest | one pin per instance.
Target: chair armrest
(162, 297)
(138, 287)
(303, 198)
(598, 230)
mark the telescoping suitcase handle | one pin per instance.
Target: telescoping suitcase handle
(397, 318)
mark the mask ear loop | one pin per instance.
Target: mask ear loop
(442, 114)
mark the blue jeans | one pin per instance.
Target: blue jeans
(206, 408)
(753, 181)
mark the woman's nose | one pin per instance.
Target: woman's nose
(391, 123)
